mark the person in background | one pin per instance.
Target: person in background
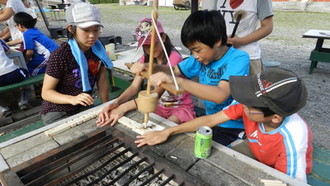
(204, 33)
(7, 14)
(176, 108)
(9, 73)
(76, 66)
(36, 45)
(276, 135)
(257, 12)
(5, 33)
(36, 50)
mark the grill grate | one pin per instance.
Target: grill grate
(100, 159)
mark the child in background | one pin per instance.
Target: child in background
(255, 25)
(36, 50)
(176, 108)
(9, 73)
(11, 8)
(37, 46)
(76, 66)
(277, 136)
(204, 33)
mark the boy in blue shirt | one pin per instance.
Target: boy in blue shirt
(37, 48)
(204, 33)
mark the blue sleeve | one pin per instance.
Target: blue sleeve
(239, 66)
(190, 67)
(28, 41)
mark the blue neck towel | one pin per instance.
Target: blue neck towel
(98, 50)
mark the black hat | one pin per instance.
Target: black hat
(278, 89)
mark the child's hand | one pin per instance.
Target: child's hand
(82, 99)
(159, 78)
(152, 138)
(234, 41)
(109, 116)
(104, 115)
(137, 68)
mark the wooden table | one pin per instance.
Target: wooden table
(319, 54)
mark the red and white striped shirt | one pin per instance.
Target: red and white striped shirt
(287, 148)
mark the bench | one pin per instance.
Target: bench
(319, 54)
(321, 165)
(28, 81)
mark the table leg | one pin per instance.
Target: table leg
(314, 63)
(312, 66)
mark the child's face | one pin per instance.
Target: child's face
(86, 37)
(158, 50)
(203, 53)
(254, 114)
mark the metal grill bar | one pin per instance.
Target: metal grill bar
(126, 171)
(97, 169)
(28, 173)
(67, 176)
(114, 168)
(167, 180)
(152, 177)
(139, 173)
(42, 178)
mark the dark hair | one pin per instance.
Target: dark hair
(207, 27)
(72, 33)
(266, 111)
(168, 47)
(25, 19)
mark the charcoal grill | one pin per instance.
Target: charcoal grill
(95, 161)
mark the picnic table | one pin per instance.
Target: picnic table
(319, 54)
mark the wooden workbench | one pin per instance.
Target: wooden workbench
(319, 54)
(224, 167)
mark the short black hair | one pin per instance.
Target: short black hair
(25, 19)
(207, 27)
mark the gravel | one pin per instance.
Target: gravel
(284, 45)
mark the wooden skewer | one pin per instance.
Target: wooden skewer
(151, 56)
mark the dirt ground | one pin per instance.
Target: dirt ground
(284, 45)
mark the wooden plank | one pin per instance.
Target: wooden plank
(313, 179)
(26, 82)
(3, 164)
(325, 34)
(322, 56)
(22, 131)
(10, 178)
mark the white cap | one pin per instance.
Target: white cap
(83, 15)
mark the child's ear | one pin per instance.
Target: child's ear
(163, 37)
(277, 118)
(218, 44)
(69, 27)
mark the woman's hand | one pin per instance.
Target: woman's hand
(152, 138)
(110, 115)
(82, 99)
